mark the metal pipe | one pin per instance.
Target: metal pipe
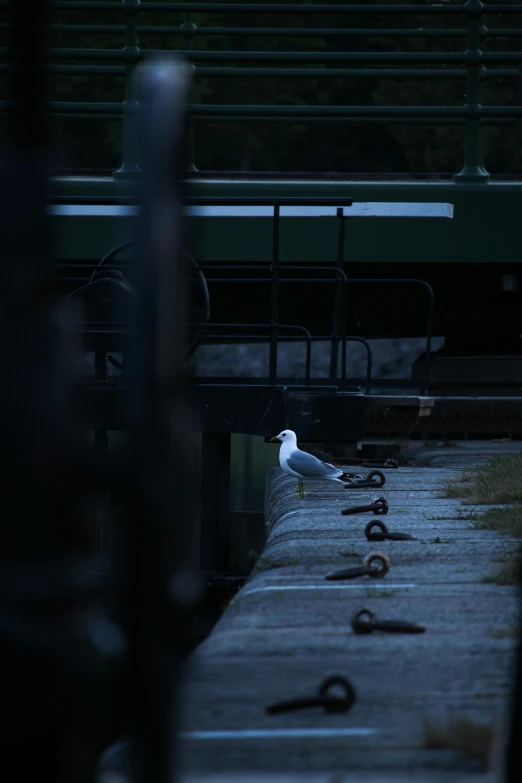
(338, 297)
(274, 294)
(369, 361)
(285, 8)
(460, 58)
(131, 55)
(305, 73)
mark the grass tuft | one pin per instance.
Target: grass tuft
(505, 632)
(375, 592)
(503, 520)
(498, 481)
(462, 735)
(508, 574)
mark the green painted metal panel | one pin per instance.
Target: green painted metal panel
(484, 228)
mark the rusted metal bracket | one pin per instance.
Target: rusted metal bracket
(385, 534)
(375, 565)
(369, 481)
(365, 621)
(324, 699)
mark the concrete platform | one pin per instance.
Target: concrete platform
(288, 629)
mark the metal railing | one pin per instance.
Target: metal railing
(270, 278)
(472, 64)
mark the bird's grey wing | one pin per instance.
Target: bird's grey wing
(311, 467)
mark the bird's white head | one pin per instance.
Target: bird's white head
(286, 436)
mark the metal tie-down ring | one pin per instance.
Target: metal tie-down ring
(375, 565)
(368, 481)
(329, 703)
(378, 506)
(365, 626)
(385, 534)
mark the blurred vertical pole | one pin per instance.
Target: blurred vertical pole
(24, 180)
(29, 742)
(163, 586)
(188, 31)
(55, 637)
(511, 762)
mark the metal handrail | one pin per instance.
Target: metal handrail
(285, 8)
(239, 63)
(473, 60)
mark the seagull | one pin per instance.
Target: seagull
(305, 466)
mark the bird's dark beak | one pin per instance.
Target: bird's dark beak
(275, 438)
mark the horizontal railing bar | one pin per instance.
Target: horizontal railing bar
(279, 32)
(461, 112)
(320, 383)
(341, 73)
(297, 114)
(310, 120)
(361, 120)
(284, 8)
(307, 73)
(472, 58)
(284, 32)
(83, 107)
(79, 70)
(94, 116)
(218, 201)
(462, 58)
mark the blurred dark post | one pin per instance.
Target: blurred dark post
(82, 658)
(512, 758)
(164, 586)
(57, 644)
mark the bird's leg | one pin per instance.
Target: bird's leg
(301, 488)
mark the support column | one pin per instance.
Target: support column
(473, 170)
(131, 53)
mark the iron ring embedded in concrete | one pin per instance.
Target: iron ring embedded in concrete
(385, 534)
(329, 703)
(378, 506)
(369, 567)
(362, 626)
(368, 481)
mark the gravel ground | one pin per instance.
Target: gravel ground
(391, 359)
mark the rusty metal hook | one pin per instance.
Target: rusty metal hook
(385, 534)
(375, 565)
(329, 703)
(368, 481)
(371, 623)
(378, 506)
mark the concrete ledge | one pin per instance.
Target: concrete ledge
(288, 629)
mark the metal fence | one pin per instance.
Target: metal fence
(474, 64)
